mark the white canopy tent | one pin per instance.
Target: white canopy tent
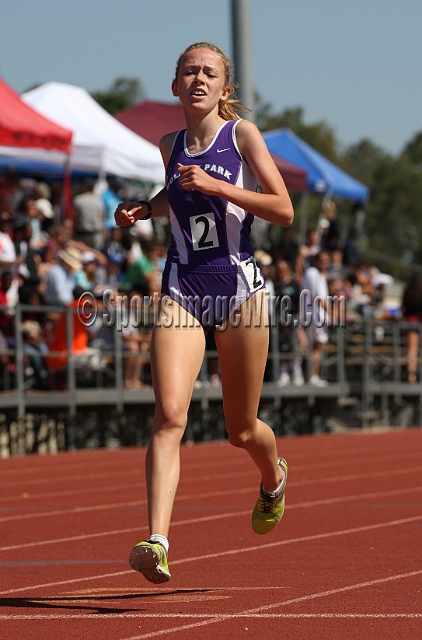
(100, 142)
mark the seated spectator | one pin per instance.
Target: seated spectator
(87, 276)
(59, 237)
(60, 280)
(337, 269)
(34, 348)
(28, 271)
(266, 265)
(58, 341)
(113, 245)
(113, 276)
(7, 326)
(45, 214)
(8, 260)
(144, 274)
(412, 314)
(136, 342)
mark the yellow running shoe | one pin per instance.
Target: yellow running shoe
(150, 559)
(269, 507)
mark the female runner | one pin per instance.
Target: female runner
(210, 280)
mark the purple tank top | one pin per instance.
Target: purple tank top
(208, 230)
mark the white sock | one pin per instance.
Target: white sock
(157, 537)
(276, 492)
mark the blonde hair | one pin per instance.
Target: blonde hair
(230, 108)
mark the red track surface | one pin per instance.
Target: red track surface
(345, 562)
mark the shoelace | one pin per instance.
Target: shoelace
(267, 505)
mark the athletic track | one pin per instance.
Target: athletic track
(345, 562)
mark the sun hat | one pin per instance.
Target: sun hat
(45, 206)
(71, 256)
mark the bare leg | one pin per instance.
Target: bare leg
(176, 357)
(412, 354)
(243, 354)
(129, 363)
(318, 348)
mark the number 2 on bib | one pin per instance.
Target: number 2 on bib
(204, 232)
(253, 275)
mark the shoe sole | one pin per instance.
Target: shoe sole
(147, 562)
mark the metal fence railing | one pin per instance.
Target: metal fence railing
(364, 360)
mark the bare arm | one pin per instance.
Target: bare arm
(273, 204)
(128, 212)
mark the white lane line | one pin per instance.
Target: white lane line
(220, 617)
(210, 494)
(62, 461)
(312, 596)
(236, 514)
(114, 487)
(112, 474)
(319, 536)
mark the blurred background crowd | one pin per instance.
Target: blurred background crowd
(48, 257)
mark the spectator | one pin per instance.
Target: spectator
(113, 276)
(59, 338)
(315, 283)
(28, 271)
(89, 213)
(60, 280)
(286, 285)
(412, 313)
(330, 231)
(45, 213)
(288, 247)
(8, 259)
(7, 327)
(350, 252)
(337, 269)
(111, 200)
(136, 343)
(113, 245)
(265, 263)
(306, 254)
(87, 276)
(59, 237)
(144, 274)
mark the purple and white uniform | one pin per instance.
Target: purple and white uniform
(210, 268)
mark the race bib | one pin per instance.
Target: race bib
(252, 274)
(204, 231)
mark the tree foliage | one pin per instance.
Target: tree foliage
(122, 94)
(413, 150)
(394, 211)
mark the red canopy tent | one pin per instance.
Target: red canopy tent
(21, 126)
(151, 120)
(294, 177)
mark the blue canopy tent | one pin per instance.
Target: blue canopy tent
(324, 177)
